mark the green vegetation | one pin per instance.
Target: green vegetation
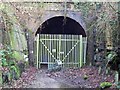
(10, 69)
(105, 84)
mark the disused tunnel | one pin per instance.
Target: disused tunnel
(61, 25)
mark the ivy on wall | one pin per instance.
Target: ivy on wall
(16, 35)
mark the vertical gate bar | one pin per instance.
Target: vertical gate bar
(46, 52)
(81, 51)
(64, 50)
(48, 43)
(60, 46)
(63, 47)
(67, 51)
(85, 46)
(51, 46)
(43, 36)
(41, 50)
(69, 60)
(75, 51)
(55, 37)
(50, 37)
(54, 46)
(71, 52)
(73, 60)
(37, 49)
(57, 49)
(39, 53)
(83, 39)
(71, 65)
(73, 38)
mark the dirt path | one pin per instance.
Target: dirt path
(43, 81)
(66, 78)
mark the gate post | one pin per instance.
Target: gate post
(85, 47)
(81, 47)
(37, 51)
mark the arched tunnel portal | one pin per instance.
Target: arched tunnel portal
(66, 44)
(61, 25)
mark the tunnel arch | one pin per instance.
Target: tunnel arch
(61, 25)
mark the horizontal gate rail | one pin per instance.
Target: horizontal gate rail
(59, 39)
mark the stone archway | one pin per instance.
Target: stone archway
(75, 16)
(61, 25)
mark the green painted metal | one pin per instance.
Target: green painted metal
(37, 50)
(70, 49)
(81, 51)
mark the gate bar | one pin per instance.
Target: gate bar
(37, 50)
(85, 46)
(81, 46)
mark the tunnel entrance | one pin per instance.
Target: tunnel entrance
(61, 39)
(61, 25)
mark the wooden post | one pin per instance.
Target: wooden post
(81, 47)
(37, 51)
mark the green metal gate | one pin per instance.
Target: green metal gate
(70, 49)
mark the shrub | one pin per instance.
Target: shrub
(105, 84)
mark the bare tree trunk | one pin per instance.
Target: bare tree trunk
(119, 24)
(30, 43)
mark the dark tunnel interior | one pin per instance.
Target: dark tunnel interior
(59, 25)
